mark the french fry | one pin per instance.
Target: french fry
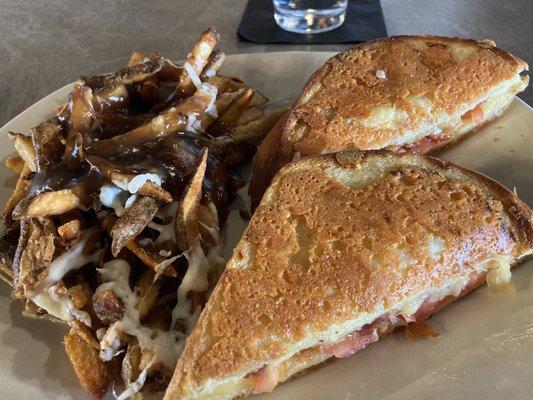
(113, 97)
(35, 250)
(148, 291)
(6, 274)
(80, 294)
(131, 364)
(136, 58)
(228, 120)
(249, 115)
(47, 141)
(222, 104)
(25, 149)
(255, 131)
(48, 203)
(224, 100)
(150, 259)
(109, 308)
(126, 76)
(61, 112)
(169, 71)
(85, 358)
(132, 222)
(215, 61)
(187, 229)
(137, 72)
(119, 178)
(148, 89)
(232, 84)
(20, 192)
(197, 59)
(15, 164)
(150, 189)
(82, 116)
(163, 125)
(85, 333)
(110, 171)
(207, 221)
(70, 232)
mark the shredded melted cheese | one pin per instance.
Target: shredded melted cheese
(167, 230)
(193, 124)
(136, 386)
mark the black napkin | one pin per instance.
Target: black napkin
(364, 21)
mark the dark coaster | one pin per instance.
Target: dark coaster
(364, 21)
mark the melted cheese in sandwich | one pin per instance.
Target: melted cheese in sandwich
(436, 123)
(499, 274)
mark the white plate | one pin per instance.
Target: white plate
(485, 347)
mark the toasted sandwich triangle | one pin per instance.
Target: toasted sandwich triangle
(343, 249)
(403, 93)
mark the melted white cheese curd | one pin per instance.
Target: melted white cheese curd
(45, 295)
(167, 231)
(196, 278)
(165, 346)
(122, 194)
(138, 181)
(112, 196)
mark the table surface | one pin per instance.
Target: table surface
(46, 44)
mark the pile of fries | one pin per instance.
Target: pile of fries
(113, 225)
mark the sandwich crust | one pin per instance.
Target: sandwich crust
(342, 235)
(385, 91)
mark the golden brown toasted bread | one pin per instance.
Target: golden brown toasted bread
(404, 93)
(342, 249)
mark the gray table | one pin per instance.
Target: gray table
(46, 44)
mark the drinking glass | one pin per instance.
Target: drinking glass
(309, 16)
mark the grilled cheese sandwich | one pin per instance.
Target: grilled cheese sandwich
(343, 249)
(406, 93)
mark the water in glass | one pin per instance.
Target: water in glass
(309, 16)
